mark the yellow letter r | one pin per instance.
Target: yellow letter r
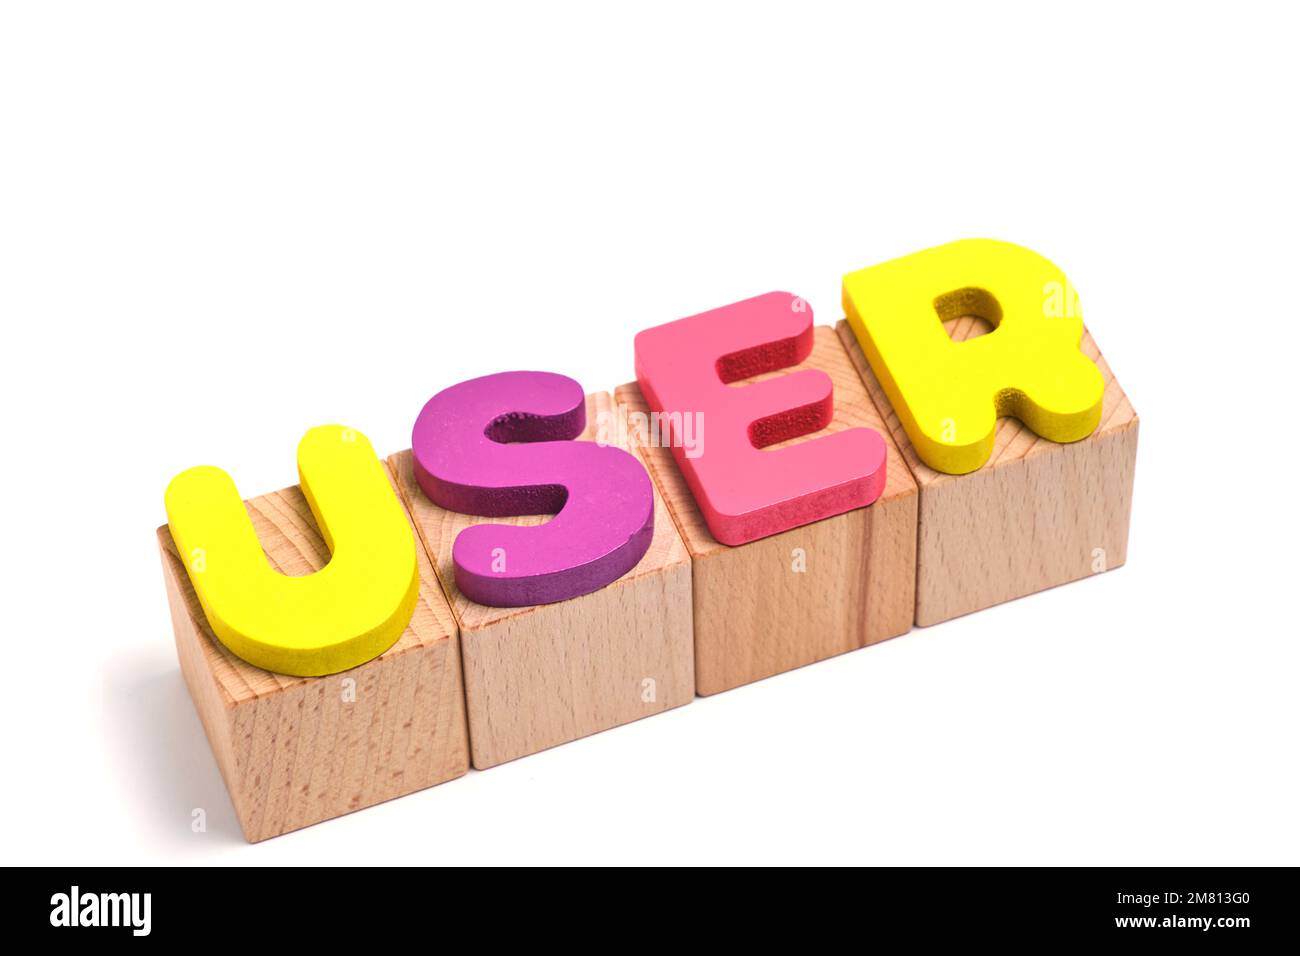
(949, 395)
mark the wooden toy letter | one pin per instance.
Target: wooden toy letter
(502, 445)
(350, 611)
(744, 492)
(949, 395)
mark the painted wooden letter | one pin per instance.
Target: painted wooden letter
(350, 611)
(949, 395)
(503, 445)
(745, 492)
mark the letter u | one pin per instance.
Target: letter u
(343, 615)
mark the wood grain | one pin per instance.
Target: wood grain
(540, 676)
(293, 750)
(1036, 515)
(755, 615)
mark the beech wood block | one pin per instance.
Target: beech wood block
(547, 674)
(1036, 515)
(756, 613)
(298, 750)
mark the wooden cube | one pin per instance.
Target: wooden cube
(544, 675)
(298, 750)
(1036, 515)
(808, 593)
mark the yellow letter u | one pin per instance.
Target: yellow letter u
(350, 611)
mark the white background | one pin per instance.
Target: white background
(220, 225)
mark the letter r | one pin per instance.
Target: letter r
(948, 395)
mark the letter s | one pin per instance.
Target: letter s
(503, 445)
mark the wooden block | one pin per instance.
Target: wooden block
(1036, 515)
(755, 614)
(298, 750)
(547, 674)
